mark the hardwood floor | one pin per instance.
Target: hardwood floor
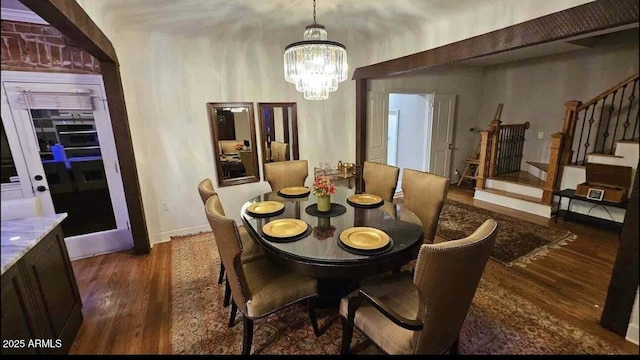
(127, 298)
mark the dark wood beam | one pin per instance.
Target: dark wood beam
(624, 279)
(579, 20)
(71, 20)
(361, 126)
(126, 157)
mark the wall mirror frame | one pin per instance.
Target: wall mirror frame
(279, 131)
(235, 149)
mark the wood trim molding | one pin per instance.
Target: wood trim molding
(361, 127)
(22, 16)
(590, 17)
(73, 22)
(624, 279)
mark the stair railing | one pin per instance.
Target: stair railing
(509, 144)
(501, 148)
(593, 127)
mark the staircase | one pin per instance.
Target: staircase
(602, 130)
(517, 190)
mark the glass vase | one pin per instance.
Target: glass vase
(324, 203)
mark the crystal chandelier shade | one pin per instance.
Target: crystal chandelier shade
(315, 65)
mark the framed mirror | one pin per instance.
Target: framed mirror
(234, 142)
(279, 130)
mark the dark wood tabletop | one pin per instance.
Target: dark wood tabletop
(319, 253)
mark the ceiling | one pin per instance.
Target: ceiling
(241, 18)
(372, 17)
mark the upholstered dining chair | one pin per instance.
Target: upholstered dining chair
(260, 287)
(283, 174)
(424, 312)
(279, 151)
(424, 194)
(252, 250)
(380, 179)
(246, 157)
(229, 146)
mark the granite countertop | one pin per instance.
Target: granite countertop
(21, 235)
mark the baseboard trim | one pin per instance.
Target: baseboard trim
(166, 235)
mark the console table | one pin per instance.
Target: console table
(571, 195)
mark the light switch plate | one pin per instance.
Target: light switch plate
(540, 135)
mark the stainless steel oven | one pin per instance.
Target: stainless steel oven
(77, 135)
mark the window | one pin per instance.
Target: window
(9, 173)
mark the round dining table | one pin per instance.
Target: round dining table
(319, 254)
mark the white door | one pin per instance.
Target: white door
(441, 134)
(64, 130)
(377, 114)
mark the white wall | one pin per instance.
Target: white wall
(466, 82)
(278, 124)
(412, 130)
(535, 90)
(168, 79)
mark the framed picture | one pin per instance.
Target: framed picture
(595, 194)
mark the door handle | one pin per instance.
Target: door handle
(450, 146)
(41, 188)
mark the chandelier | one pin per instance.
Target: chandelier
(315, 64)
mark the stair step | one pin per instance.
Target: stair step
(605, 155)
(539, 165)
(515, 195)
(515, 201)
(521, 178)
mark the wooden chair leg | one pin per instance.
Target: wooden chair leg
(232, 314)
(312, 315)
(347, 334)
(247, 336)
(227, 294)
(221, 275)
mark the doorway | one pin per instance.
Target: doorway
(411, 130)
(65, 138)
(408, 127)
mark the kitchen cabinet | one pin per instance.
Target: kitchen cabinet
(41, 306)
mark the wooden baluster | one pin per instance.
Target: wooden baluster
(626, 122)
(495, 140)
(482, 162)
(555, 167)
(615, 128)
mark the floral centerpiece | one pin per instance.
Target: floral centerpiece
(239, 146)
(323, 187)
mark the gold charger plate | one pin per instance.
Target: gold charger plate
(365, 199)
(294, 190)
(284, 228)
(265, 207)
(364, 238)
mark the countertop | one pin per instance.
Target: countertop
(21, 235)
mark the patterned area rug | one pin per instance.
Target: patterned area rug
(499, 322)
(518, 241)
